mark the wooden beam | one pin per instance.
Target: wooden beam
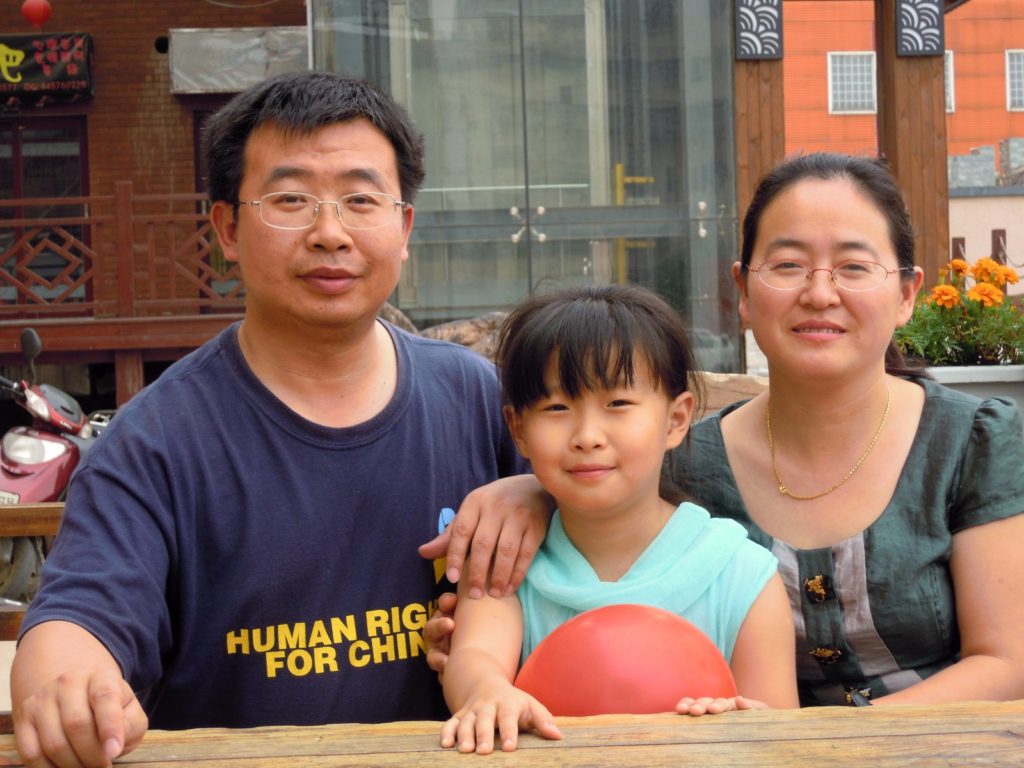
(30, 519)
(759, 125)
(128, 375)
(912, 136)
(87, 334)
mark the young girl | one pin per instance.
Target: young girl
(596, 391)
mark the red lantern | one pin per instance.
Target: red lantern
(624, 659)
(36, 12)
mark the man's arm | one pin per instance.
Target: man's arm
(70, 701)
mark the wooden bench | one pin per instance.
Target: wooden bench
(24, 520)
(19, 520)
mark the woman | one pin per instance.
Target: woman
(893, 504)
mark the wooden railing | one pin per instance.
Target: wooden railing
(112, 276)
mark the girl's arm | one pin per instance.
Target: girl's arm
(763, 659)
(478, 678)
(988, 571)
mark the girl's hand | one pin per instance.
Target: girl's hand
(504, 708)
(437, 634)
(707, 705)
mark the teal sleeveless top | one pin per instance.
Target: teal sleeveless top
(703, 569)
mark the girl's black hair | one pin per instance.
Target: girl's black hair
(596, 336)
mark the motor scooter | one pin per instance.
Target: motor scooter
(36, 463)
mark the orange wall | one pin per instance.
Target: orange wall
(978, 32)
(811, 28)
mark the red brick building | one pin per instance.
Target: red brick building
(137, 127)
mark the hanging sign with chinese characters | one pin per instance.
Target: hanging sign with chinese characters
(44, 68)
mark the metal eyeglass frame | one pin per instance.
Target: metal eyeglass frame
(809, 275)
(316, 207)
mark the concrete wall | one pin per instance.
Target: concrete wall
(974, 216)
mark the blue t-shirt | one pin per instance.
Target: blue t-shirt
(245, 566)
(703, 569)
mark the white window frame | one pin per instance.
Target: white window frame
(1018, 54)
(950, 80)
(832, 56)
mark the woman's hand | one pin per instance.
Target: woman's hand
(499, 706)
(707, 705)
(505, 521)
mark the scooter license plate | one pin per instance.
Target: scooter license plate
(6, 497)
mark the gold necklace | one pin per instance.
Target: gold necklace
(771, 448)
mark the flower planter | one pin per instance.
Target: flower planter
(984, 380)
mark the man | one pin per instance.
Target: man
(240, 548)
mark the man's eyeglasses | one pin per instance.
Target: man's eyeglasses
(852, 275)
(298, 210)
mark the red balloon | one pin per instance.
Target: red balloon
(36, 12)
(624, 659)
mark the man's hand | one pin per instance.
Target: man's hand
(85, 717)
(505, 520)
(72, 707)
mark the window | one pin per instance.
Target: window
(851, 83)
(1015, 80)
(950, 90)
(43, 157)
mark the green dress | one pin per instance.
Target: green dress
(876, 612)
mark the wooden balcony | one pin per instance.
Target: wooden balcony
(118, 278)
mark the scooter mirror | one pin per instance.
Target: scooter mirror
(31, 345)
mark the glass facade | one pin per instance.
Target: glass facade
(567, 141)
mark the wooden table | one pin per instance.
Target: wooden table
(954, 734)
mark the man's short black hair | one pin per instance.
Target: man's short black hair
(300, 103)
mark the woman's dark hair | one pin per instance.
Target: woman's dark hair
(874, 179)
(597, 336)
(300, 103)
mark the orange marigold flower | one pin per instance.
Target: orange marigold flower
(1010, 275)
(987, 294)
(945, 296)
(959, 266)
(986, 270)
